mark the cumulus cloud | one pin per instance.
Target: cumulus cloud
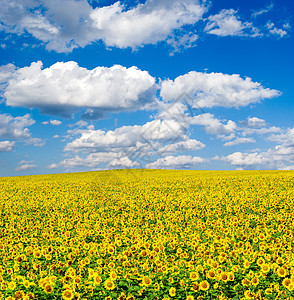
(127, 146)
(187, 145)
(6, 72)
(253, 122)
(216, 89)
(247, 159)
(66, 24)
(15, 127)
(260, 131)
(92, 140)
(147, 23)
(55, 122)
(285, 137)
(64, 87)
(254, 125)
(278, 157)
(63, 25)
(93, 160)
(176, 162)
(213, 125)
(25, 165)
(226, 23)
(238, 141)
(122, 163)
(6, 146)
(273, 30)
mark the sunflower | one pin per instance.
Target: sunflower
(19, 295)
(97, 280)
(279, 260)
(194, 276)
(12, 285)
(190, 297)
(265, 268)
(245, 282)
(282, 272)
(67, 294)
(195, 286)
(48, 289)
(231, 276)
(172, 291)
(113, 275)
(248, 294)
(210, 274)
(109, 284)
(255, 281)
(224, 276)
(146, 281)
(111, 249)
(204, 285)
(260, 261)
(26, 283)
(286, 282)
(246, 264)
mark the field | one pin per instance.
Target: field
(148, 234)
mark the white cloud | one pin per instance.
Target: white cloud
(93, 160)
(128, 146)
(122, 163)
(213, 125)
(273, 30)
(263, 11)
(179, 42)
(176, 162)
(238, 141)
(253, 122)
(66, 24)
(15, 127)
(63, 25)
(45, 123)
(147, 23)
(6, 72)
(64, 87)
(37, 142)
(126, 136)
(187, 145)
(55, 122)
(6, 146)
(261, 131)
(282, 137)
(24, 167)
(278, 157)
(226, 23)
(216, 89)
(288, 168)
(247, 159)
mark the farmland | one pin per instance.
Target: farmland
(148, 234)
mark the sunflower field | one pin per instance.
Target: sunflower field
(148, 234)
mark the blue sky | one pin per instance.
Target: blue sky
(185, 84)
